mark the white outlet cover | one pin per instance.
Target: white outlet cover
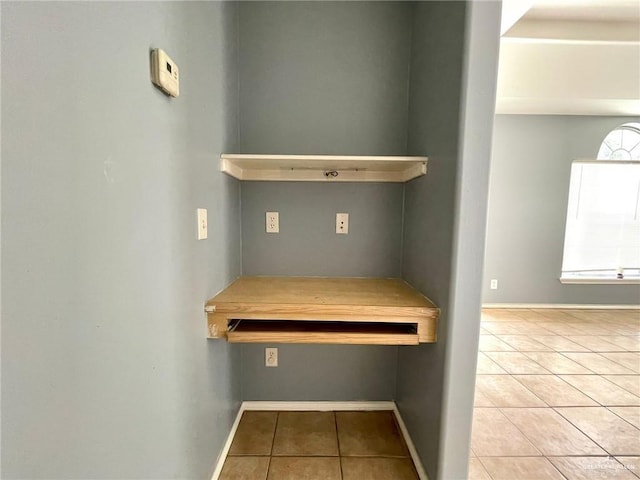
(271, 357)
(342, 223)
(494, 284)
(272, 222)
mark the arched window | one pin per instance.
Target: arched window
(622, 143)
(602, 235)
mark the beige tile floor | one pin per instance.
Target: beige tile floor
(318, 446)
(557, 395)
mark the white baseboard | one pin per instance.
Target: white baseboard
(227, 445)
(412, 448)
(323, 407)
(562, 306)
(317, 406)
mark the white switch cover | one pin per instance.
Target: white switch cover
(271, 357)
(202, 223)
(273, 222)
(342, 223)
(494, 284)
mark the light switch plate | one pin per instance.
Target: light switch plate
(202, 223)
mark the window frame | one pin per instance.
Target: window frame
(610, 279)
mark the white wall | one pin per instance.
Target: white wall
(578, 78)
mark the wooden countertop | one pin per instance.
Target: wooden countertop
(337, 299)
(382, 292)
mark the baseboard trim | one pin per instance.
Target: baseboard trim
(317, 406)
(320, 406)
(412, 448)
(563, 306)
(227, 445)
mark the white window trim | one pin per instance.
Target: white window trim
(593, 160)
(600, 281)
(566, 277)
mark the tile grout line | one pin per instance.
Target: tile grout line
(581, 391)
(273, 441)
(615, 361)
(621, 417)
(266, 474)
(521, 432)
(485, 468)
(335, 421)
(609, 454)
(623, 388)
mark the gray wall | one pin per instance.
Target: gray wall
(429, 210)
(323, 77)
(452, 101)
(529, 187)
(472, 186)
(308, 244)
(320, 372)
(109, 374)
(106, 372)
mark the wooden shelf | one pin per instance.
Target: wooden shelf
(380, 311)
(323, 168)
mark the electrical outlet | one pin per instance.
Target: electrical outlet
(202, 223)
(494, 284)
(273, 222)
(271, 357)
(342, 223)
